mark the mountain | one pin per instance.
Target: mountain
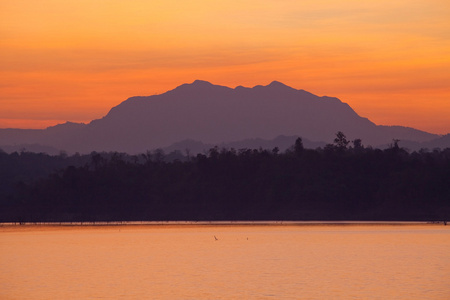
(281, 142)
(441, 142)
(214, 114)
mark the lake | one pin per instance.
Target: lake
(226, 261)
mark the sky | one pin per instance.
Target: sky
(74, 60)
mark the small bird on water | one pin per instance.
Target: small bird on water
(216, 238)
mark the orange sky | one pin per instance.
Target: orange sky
(73, 60)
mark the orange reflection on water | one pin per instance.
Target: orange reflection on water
(245, 262)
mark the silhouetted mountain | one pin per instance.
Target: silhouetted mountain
(35, 148)
(215, 115)
(281, 142)
(50, 140)
(439, 143)
(190, 147)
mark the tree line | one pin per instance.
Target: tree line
(341, 181)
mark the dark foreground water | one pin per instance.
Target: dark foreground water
(247, 261)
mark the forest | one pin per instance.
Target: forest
(341, 181)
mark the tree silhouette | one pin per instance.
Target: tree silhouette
(357, 144)
(246, 184)
(298, 146)
(341, 141)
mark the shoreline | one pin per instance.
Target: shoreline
(221, 223)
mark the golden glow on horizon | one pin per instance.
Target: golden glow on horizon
(74, 60)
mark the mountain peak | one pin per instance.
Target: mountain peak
(68, 124)
(200, 86)
(201, 83)
(277, 84)
(194, 86)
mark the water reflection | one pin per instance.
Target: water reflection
(251, 261)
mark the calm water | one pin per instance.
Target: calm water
(246, 262)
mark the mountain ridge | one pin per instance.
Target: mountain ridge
(214, 114)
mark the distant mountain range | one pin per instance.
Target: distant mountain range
(200, 115)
